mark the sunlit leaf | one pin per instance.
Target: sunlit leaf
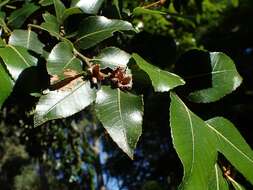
(112, 57)
(225, 79)
(233, 146)
(17, 59)
(95, 29)
(195, 145)
(62, 63)
(162, 81)
(27, 39)
(121, 115)
(65, 102)
(89, 7)
(19, 16)
(6, 84)
(217, 181)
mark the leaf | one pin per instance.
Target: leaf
(162, 81)
(217, 181)
(6, 84)
(61, 61)
(95, 29)
(112, 57)
(233, 146)
(121, 115)
(19, 16)
(46, 2)
(236, 185)
(70, 11)
(51, 24)
(235, 3)
(195, 145)
(16, 60)
(140, 10)
(64, 103)
(225, 79)
(89, 7)
(27, 39)
(59, 10)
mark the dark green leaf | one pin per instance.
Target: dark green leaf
(51, 24)
(232, 145)
(140, 10)
(225, 79)
(16, 59)
(195, 145)
(71, 11)
(236, 185)
(19, 16)
(61, 61)
(112, 57)
(162, 81)
(27, 39)
(95, 29)
(217, 181)
(89, 7)
(64, 102)
(121, 115)
(59, 10)
(6, 84)
(46, 2)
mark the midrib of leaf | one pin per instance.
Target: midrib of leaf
(62, 99)
(206, 74)
(69, 62)
(236, 148)
(217, 177)
(20, 55)
(28, 38)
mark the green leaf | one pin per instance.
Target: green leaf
(89, 7)
(19, 16)
(64, 102)
(162, 81)
(27, 39)
(233, 146)
(217, 181)
(236, 185)
(71, 11)
(46, 2)
(59, 10)
(235, 3)
(16, 59)
(62, 61)
(225, 79)
(195, 145)
(140, 10)
(112, 57)
(3, 2)
(121, 115)
(6, 84)
(51, 25)
(95, 29)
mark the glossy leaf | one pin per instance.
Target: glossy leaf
(95, 29)
(232, 145)
(162, 81)
(61, 61)
(217, 181)
(225, 79)
(19, 16)
(121, 115)
(64, 102)
(195, 145)
(89, 7)
(6, 84)
(112, 57)
(51, 24)
(27, 39)
(59, 10)
(16, 60)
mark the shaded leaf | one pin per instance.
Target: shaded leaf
(95, 29)
(121, 115)
(162, 81)
(6, 84)
(217, 181)
(225, 79)
(63, 103)
(27, 39)
(51, 24)
(16, 59)
(61, 61)
(46, 2)
(112, 57)
(140, 10)
(71, 11)
(59, 10)
(233, 146)
(19, 16)
(192, 139)
(236, 185)
(89, 7)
